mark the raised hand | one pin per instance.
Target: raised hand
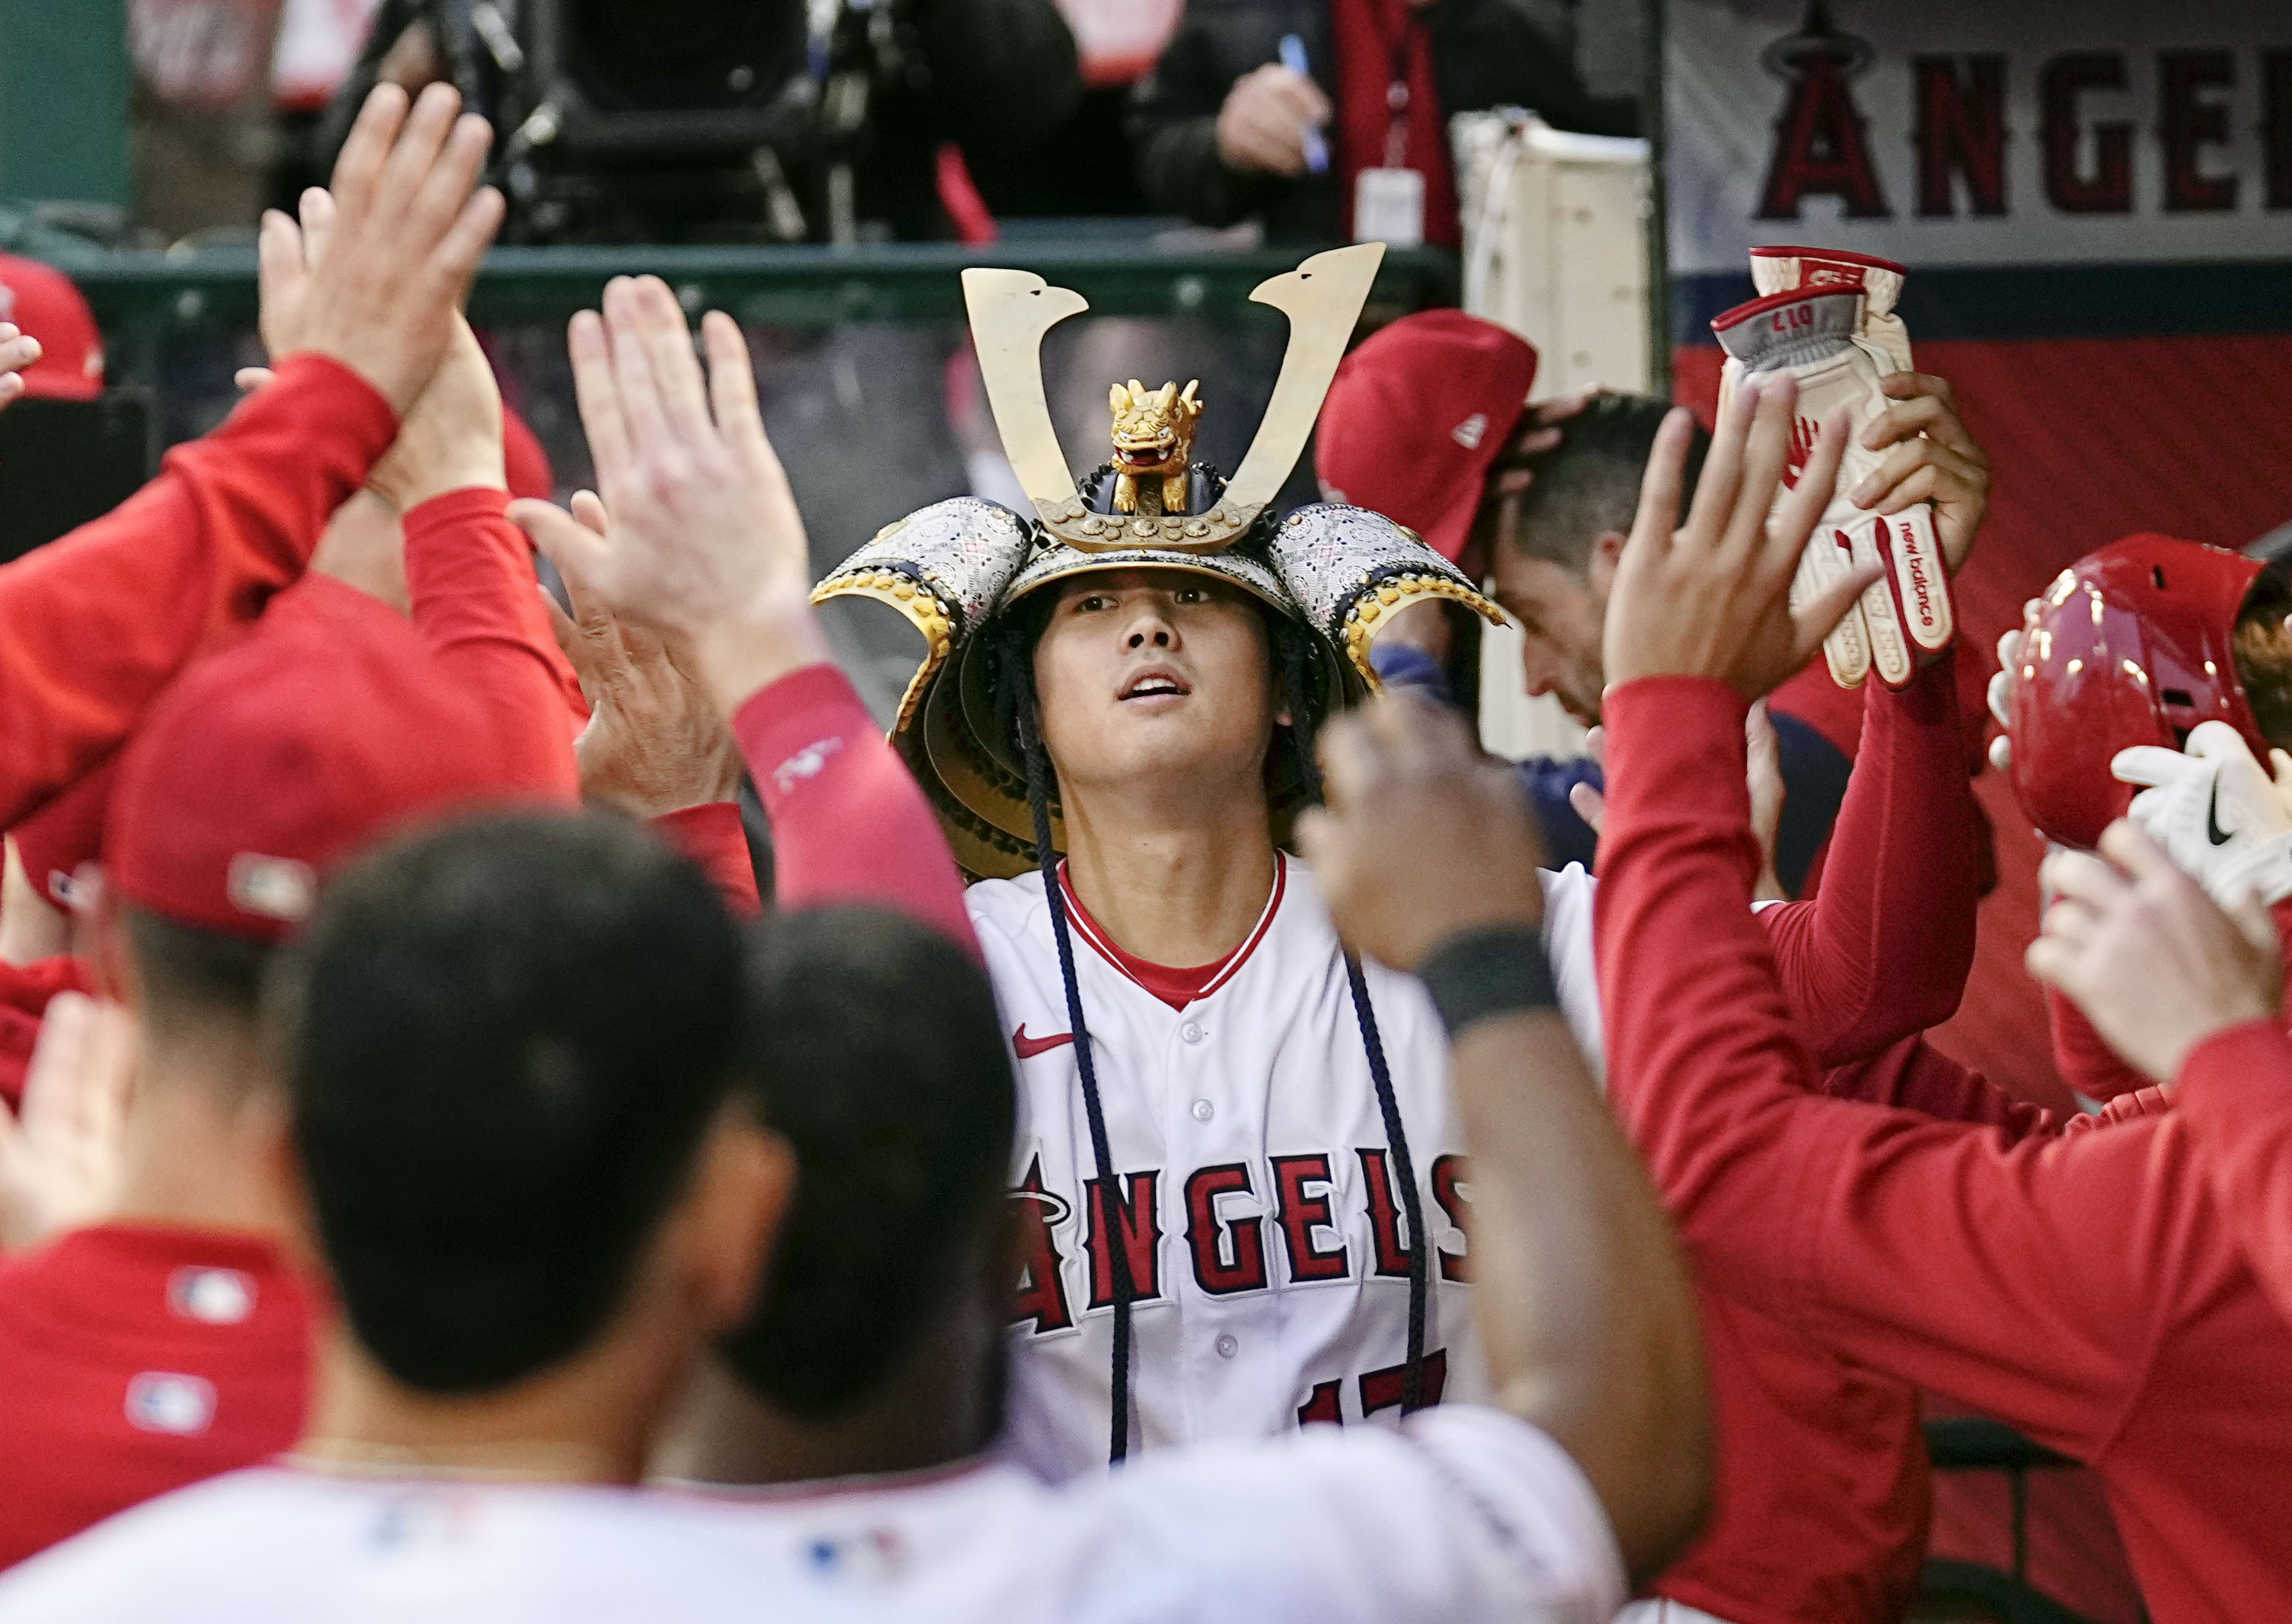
(1933, 460)
(60, 1160)
(1405, 775)
(655, 743)
(2148, 958)
(451, 437)
(18, 351)
(376, 272)
(704, 547)
(1710, 598)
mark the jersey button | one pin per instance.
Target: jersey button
(1204, 1111)
(1192, 1032)
(1228, 1348)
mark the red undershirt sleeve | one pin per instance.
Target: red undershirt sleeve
(1883, 950)
(849, 823)
(96, 624)
(2031, 1282)
(468, 575)
(712, 837)
(2086, 1063)
(1912, 1075)
(2235, 1092)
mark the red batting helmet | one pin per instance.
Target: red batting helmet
(2132, 644)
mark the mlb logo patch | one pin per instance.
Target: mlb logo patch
(162, 1401)
(212, 1297)
(868, 1555)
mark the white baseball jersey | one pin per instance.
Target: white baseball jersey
(1256, 1193)
(1469, 1515)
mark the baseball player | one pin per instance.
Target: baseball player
(170, 1340)
(2088, 1288)
(1428, 423)
(1546, 495)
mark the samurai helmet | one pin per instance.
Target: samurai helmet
(953, 569)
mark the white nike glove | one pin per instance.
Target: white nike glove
(2216, 812)
(1907, 616)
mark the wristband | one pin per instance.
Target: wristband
(1488, 970)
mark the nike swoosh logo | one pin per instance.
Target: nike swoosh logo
(1027, 1047)
(2212, 820)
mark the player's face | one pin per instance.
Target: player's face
(1151, 676)
(1562, 614)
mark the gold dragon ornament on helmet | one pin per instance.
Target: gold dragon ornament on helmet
(1153, 446)
(955, 567)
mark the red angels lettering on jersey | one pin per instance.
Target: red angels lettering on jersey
(1254, 1193)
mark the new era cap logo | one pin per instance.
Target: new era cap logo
(275, 887)
(1468, 432)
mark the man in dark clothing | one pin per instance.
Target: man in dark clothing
(1224, 130)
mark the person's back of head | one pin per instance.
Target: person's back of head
(504, 1044)
(878, 1054)
(1588, 485)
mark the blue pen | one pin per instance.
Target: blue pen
(1316, 150)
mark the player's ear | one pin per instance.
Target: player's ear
(1607, 555)
(732, 1220)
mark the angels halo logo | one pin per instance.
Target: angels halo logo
(1822, 141)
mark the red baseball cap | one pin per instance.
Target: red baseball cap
(67, 832)
(42, 301)
(263, 768)
(1416, 414)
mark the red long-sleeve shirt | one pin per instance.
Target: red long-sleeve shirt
(712, 837)
(2088, 1288)
(93, 625)
(469, 583)
(2235, 1094)
(1883, 950)
(849, 823)
(1917, 1077)
(1819, 1514)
